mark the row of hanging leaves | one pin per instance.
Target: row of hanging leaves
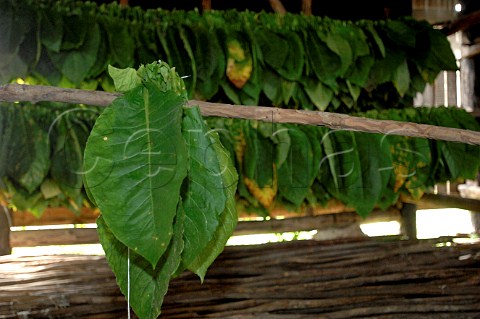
(241, 57)
(318, 63)
(295, 165)
(42, 149)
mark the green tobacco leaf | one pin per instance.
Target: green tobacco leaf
(283, 142)
(67, 159)
(148, 285)
(204, 199)
(319, 94)
(297, 173)
(359, 71)
(342, 48)
(274, 47)
(401, 32)
(32, 178)
(376, 38)
(293, 68)
(384, 70)
(136, 148)
(228, 219)
(210, 61)
(75, 64)
(51, 30)
(124, 79)
(75, 29)
(121, 43)
(401, 78)
(324, 62)
(28, 158)
(360, 167)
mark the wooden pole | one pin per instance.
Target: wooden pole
(409, 220)
(206, 5)
(307, 7)
(32, 93)
(277, 7)
(5, 222)
(461, 23)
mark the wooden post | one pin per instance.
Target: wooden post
(5, 248)
(278, 7)
(206, 5)
(307, 7)
(409, 220)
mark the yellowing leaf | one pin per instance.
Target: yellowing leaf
(239, 63)
(265, 195)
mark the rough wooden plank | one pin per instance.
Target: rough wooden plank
(44, 237)
(305, 280)
(75, 236)
(431, 201)
(55, 216)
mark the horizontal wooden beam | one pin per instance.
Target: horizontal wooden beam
(461, 24)
(76, 236)
(46, 237)
(435, 201)
(55, 216)
(17, 92)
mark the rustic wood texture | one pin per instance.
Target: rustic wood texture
(277, 6)
(5, 221)
(17, 92)
(462, 23)
(55, 216)
(295, 280)
(45, 237)
(307, 7)
(76, 236)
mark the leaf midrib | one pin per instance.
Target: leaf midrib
(149, 156)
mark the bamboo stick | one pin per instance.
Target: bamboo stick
(17, 92)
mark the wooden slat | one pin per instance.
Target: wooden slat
(75, 236)
(45, 237)
(55, 216)
(433, 201)
(295, 280)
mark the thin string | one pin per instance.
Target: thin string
(128, 283)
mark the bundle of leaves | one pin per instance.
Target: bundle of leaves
(279, 164)
(292, 166)
(241, 57)
(163, 182)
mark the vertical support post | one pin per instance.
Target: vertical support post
(307, 7)
(409, 220)
(277, 7)
(206, 5)
(5, 222)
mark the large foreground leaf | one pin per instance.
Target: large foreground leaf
(135, 162)
(148, 286)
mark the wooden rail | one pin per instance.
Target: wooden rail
(31, 93)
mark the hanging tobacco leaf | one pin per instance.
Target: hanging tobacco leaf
(136, 147)
(136, 163)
